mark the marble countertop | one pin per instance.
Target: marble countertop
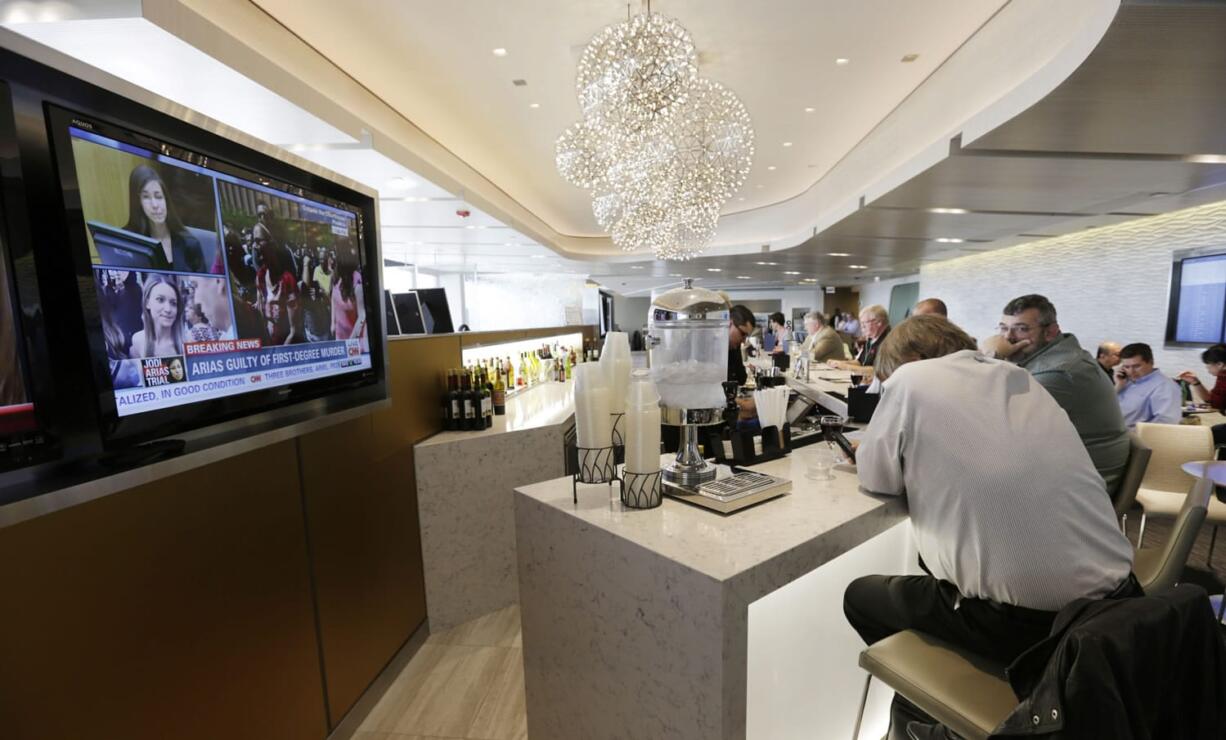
(766, 545)
(545, 405)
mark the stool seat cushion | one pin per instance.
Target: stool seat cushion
(966, 693)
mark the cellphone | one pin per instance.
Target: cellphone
(844, 445)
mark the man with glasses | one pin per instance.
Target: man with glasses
(1030, 336)
(741, 324)
(874, 326)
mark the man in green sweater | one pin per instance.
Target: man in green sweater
(1029, 335)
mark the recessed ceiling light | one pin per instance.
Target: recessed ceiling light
(876, 278)
(858, 267)
(842, 61)
(539, 256)
(790, 272)
(810, 110)
(766, 263)
(949, 240)
(910, 58)
(741, 198)
(534, 105)
(674, 274)
(838, 254)
(787, 143)
(743, 277)
(636, 267)
(500, 52)
(715, 269)
(948, 210)
(772, 167)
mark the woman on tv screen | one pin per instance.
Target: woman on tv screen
(152, 213)
(161, 317)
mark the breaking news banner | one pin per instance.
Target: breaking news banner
(211, 376)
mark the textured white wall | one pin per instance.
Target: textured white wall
(1106, 283)
(520, 301)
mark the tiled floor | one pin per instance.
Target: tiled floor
(467, 682)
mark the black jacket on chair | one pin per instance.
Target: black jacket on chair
(1152, 667)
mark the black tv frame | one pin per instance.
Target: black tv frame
(435, 301)
(1176, 287)
(58, 231)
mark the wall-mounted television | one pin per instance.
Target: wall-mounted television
(216, 282)
(24, 436)
(1197, 311)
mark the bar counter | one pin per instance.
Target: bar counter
(677, 622)
(465, 491)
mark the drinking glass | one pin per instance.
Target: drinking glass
(820, 463)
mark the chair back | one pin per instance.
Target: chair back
(1172, 445)
(1138, 461)
(1159, 568)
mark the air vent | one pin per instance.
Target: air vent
(519, 83)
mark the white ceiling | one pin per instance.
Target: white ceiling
(433, 62)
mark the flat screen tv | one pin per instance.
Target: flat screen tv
(408, 310)
(435, 311)
(390, 320)
(215, 287)
(24, 437)
(1197, 312)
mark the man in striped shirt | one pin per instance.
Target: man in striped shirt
(1007, 508)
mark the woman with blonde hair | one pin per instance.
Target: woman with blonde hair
(161, 317)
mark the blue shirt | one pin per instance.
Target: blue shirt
(1154, 398)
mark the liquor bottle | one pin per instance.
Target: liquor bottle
(521, 373)
(448, 399)
(500, 394)
(468, 402)
(487, 401)
(570, 364)
(510, 370)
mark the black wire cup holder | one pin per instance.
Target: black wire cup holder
(642, 490)
(618, 437)
(596, 465)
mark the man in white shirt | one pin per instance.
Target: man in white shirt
(1007, 508)
(1145, 393)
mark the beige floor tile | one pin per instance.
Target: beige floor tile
(440, 698)
(496, 629)
(503, 714)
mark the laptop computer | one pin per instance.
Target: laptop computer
(121, 248)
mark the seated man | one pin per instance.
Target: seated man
(875, 326)
(1215, 364)
(1145, 393)
(1006, 506)
(1108, 357)
(1030, 336)
(822, 342)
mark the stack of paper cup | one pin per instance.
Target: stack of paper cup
(642, 424)
(593, 424)
(615, 361)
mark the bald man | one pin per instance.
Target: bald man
(930, 306)
(1109, 357)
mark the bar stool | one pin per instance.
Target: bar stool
(966, 693)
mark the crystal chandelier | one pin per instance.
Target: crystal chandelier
(659, 148)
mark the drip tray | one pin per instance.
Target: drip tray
(731, 492)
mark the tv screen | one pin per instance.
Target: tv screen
(1199, 299)
(408, 310)
(435, 311)
(209, 281)
(390, 320)
(16, 401)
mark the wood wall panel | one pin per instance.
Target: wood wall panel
(366, 552)
(179, 609)
(415, 371)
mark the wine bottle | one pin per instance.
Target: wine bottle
(500, 394)
(487, 401)
(448, 394)
(467, 401)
